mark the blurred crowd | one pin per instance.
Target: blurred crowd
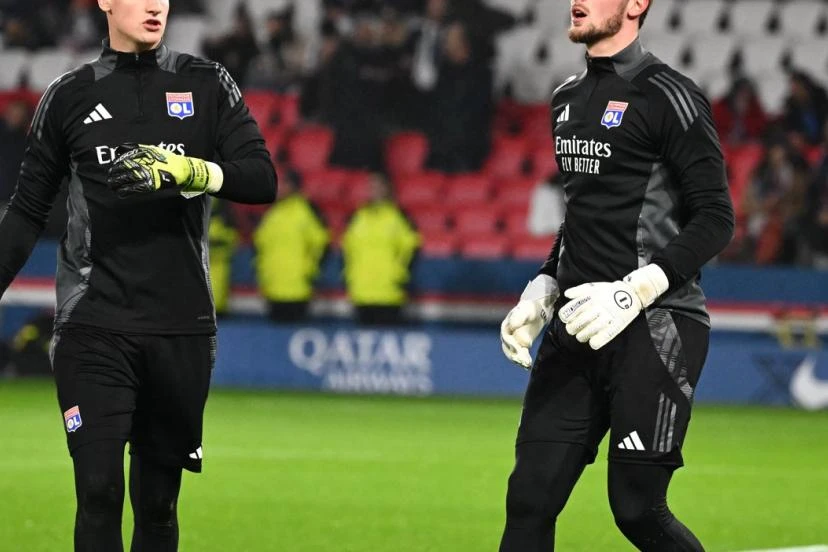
(375, 68)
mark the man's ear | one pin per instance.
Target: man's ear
(634, 9)
(105, 5)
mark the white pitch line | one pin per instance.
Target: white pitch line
(813, 548)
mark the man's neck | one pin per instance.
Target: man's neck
(120, 43)
(610, 46)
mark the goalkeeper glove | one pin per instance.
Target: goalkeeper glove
(140, 169)
(600, 311)
(524, 322)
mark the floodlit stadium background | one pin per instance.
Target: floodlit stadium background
(328, 436)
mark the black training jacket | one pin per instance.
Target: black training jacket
(643, 175)
(136, 265)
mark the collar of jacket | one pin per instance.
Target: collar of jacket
(620, 63)
(112, 59)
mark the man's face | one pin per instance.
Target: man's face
(138, 22)
(595, 20)
(436, 9)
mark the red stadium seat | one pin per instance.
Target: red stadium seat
(477, 220)
(247, 218)
(336, 220)
(515, 192)
(324, 185)
(485, 247)
(814, 154)
(536, 122)
(468, 189)
(274, 138)
(514, 223)
(507, 117)
(532, 248)
(439, 244)
(432, 219)
(405, 153)
(742, 161)
(357, 187)
(309, 148)
(419, 189)
(286, 111)
(262, 105)
(544, 165)
(506, 158)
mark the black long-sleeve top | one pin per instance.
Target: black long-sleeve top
(643, 175)
(135, 265)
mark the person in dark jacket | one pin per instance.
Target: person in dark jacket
(144, 136)
(647, 206)
(461, 111)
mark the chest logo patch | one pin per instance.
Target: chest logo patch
(614, 114)
(180, 105)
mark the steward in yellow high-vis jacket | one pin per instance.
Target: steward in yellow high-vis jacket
(224, 238)
(377, 248)
(290, 243)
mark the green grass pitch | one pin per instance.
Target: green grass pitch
(302, 473)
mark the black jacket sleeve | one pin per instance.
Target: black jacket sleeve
(45, 164)
(249, 176)
(550, 267)
(690, 148)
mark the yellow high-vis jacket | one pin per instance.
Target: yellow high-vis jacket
(290, 242)
(377, 248)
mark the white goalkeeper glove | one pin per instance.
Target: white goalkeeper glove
(526, 320)
(600, 311)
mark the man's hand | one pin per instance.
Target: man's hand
(140, 169)
(600, 311)
(524, 322)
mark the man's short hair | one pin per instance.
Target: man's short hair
(644, 14)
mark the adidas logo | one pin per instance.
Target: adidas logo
(98, 114)
(564, 116)
(197, 455)
(631, 442)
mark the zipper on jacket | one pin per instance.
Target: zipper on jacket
(140, 93)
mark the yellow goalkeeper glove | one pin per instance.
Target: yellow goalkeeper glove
(141, 168)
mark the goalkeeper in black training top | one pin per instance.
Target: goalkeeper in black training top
(647, 207)
(143, 135)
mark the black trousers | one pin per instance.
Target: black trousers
(639, 388)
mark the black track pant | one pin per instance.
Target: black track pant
(545, 474)
(99, 487)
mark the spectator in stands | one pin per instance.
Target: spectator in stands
(336, 14)
(398, 43)
(282, 62)
(13, 128)
(377, 248)
(460, 114)
(483, 22)
(361, 76)
(774, 203)
(427, 45)
(739, 116)
(18, 33)
(816, 220)
(34, 25)
(290, 243)
(224, 238)
(319, 88)
(87, 27)
(806, 110)
(236, 49)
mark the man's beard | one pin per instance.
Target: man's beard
(592, 34)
